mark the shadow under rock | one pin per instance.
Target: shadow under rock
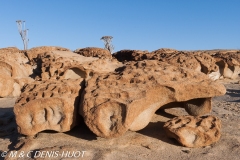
(233, 93)
(82, 131)
(8, 127)
(155, 129)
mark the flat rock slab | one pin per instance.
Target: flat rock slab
(192, 131)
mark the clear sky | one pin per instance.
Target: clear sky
(134, 24)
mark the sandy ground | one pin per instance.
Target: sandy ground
(149, 143)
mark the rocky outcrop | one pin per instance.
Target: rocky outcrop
(192, 131)
(48, 105)
(126, 99)
(6, 86)
(229, 64)
(34, 52)
(56, 65)
(130, 55)
(197, 61)
(94, 52)
(15, 71)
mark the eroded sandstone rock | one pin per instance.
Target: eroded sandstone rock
(34, 52)
(60, 65)
(127, 98)
(229, 64)
(130, 55)
(6, 86)
(94, 52)
(48, 105)
(14, 68)
(197, 61)
(192, 131)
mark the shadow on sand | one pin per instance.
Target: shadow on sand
(234, 93)
(155, 129)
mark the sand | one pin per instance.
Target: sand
(148, 143)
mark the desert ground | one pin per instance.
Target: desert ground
(150, 142)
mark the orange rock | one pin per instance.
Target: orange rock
(127, 98)
(94, 52)
(229, 64)
(192, 131)
(48, 105)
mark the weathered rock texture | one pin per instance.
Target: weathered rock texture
(127, 98)
(192, 131)
(15, 71)
(130, 55)
(229, 64)
(48, 105)
(192, 60)
(94, 52)
(60, 65)
(34, 52)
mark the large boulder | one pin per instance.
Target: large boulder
(194, 131)
(126, 99)
(48, 105)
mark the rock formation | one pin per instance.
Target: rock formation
(229, 64)
(94, 52)
(48, 105)
(130, 55)
(34, 52)
(192, 60)
(58, 65)
(194, 131)
(126, 99)
(15, 71)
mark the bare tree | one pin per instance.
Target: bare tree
(107, 43)
(23, 33)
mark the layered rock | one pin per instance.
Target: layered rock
(94, 52)
(48, 105)
(126, 99)
(192, 131)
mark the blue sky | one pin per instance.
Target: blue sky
(134, 24)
